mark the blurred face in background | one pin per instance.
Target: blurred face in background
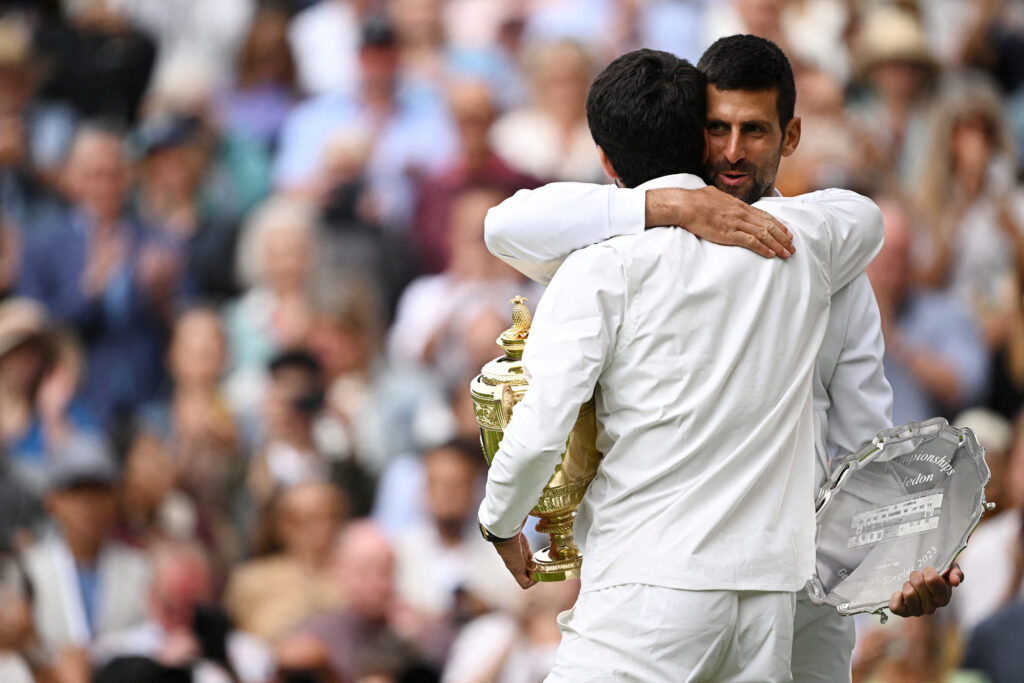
(96, 174)
(468, 255)
(181, 582)
(197, 349)
(309, 518)
(84, 513)
(365, 566)
(287, 258)
(452, 489)
(890, 271)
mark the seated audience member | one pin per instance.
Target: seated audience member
(288, 454)
(197, 428)
(291, 578)
(372, 622)
(413, 132)
(265, 87)
(151, 505)
(505, 647)
(274, 264)
(550, 140)
(443, 571)
(183, 629)
(40, 368)
(105, 277)
(448, 321)
(477, 165)
(86, 584)
(375, 410)
(935, 357)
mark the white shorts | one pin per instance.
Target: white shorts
(822, 643)
(647, 634)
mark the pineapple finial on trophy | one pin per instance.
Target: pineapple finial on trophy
(521, 318)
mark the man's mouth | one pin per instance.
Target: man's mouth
(731, 178)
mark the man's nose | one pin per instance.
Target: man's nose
(734, 148)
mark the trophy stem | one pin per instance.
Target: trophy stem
(562, 559)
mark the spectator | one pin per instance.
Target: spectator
(443, 571)
(477, 165)
(995, 434)
(103, 275)
(972, 205)
(40, 368)
(412, 133)
(291, 579)
(935, 357)
(325, 40)
(994, 646)
(375, 411)
(550, 139)
(505, 647)
(372, 623)
(897, 70)
(169, 203)
(21, 658)
(33, 134)
(205, 33)
(448, 322)
(289, 454)
(87, 584)
(275, 264)
(183, 630)
(910, 650)
(265, 87)
(99, 63)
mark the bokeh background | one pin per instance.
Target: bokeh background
(243, 288)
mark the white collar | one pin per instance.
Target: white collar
(686, 181)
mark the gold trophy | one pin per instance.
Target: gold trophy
(500, 385)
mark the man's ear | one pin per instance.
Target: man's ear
(607, 166)
(791, 136)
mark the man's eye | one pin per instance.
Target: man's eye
(717, 128)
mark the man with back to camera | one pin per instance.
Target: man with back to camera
(751, 126)
(671, 336)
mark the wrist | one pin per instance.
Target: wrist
(664, 207)
(490, 537)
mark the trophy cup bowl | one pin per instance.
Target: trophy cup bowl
(500, 385)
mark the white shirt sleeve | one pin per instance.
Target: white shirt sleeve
(572, 337)
(860, 398)
(534, 230)
(854, 225)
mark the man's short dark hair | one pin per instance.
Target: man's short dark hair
(746, 62)
(646, 110)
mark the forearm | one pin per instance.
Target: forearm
(535, 230)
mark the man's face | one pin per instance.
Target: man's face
(746, 141)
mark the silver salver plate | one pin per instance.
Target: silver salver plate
(907, 500)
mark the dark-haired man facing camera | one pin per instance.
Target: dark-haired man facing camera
(698, 525)
(751, 125)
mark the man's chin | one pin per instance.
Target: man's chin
(745, 192)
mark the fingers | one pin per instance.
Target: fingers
(515, 553)
(938, 590)
(954, 575)
(772, 233)
(923, 593)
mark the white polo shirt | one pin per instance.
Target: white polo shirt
(701, 357)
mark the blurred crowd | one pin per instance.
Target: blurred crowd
(243, 287)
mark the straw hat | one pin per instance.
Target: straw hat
(890, 33)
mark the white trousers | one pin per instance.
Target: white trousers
(648, 634)
(822, 643)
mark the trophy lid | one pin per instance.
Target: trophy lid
(513, 339)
